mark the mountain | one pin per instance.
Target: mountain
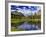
(17, 13)
(39, 12)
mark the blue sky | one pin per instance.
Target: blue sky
(26, 10)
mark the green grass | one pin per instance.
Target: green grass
(15, 29)
(34, 21)
(16, 22)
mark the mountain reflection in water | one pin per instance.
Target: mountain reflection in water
(27, 26)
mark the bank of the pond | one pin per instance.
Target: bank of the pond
(25, 26)
(34, 21)
(16, 22)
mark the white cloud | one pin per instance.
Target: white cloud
(27, 12)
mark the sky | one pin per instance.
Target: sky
(26, 10)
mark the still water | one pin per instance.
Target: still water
(27, 26)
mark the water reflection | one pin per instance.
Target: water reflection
(27, 26)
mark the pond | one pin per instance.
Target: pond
(27, 26)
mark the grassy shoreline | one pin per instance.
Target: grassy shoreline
(20, 21)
